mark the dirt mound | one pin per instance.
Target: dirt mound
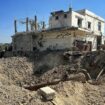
(28, 71)
(67, 93)
(76, 93)
(17, 72)
(15, 95)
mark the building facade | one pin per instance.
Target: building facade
(64, 29)
(83, 19)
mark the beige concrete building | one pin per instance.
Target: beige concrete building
(64, 28)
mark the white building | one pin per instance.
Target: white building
(84, 20)
(64, 29)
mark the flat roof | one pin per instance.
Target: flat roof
(90, 13)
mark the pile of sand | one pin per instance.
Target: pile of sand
(15, 72)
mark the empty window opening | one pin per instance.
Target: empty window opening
(56, 18)
(65, 15)
(99, 26)
(89, 25)
(79, 22)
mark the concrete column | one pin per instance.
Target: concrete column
(35, 23)
(43, 25)
(15, 26)
(70, 11)
(27, 21)
(31, 24)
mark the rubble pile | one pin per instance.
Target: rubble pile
(18, 72)
(15, 95)
(94, 62)
(61, 72)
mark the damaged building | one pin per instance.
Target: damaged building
(65, 28)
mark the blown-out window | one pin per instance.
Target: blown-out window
(99, 26)
(79, 22)
(65, 15)
(57, 17)
(89, 25)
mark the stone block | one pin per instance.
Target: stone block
(47, 93)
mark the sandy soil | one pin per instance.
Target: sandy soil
(16, 72)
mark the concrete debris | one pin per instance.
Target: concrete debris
(47, 93)
(94, 63)
(82, 80)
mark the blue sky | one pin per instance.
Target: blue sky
(17, 9)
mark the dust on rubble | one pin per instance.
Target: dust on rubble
(18, 72)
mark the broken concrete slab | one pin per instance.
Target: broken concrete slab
(47, 93)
